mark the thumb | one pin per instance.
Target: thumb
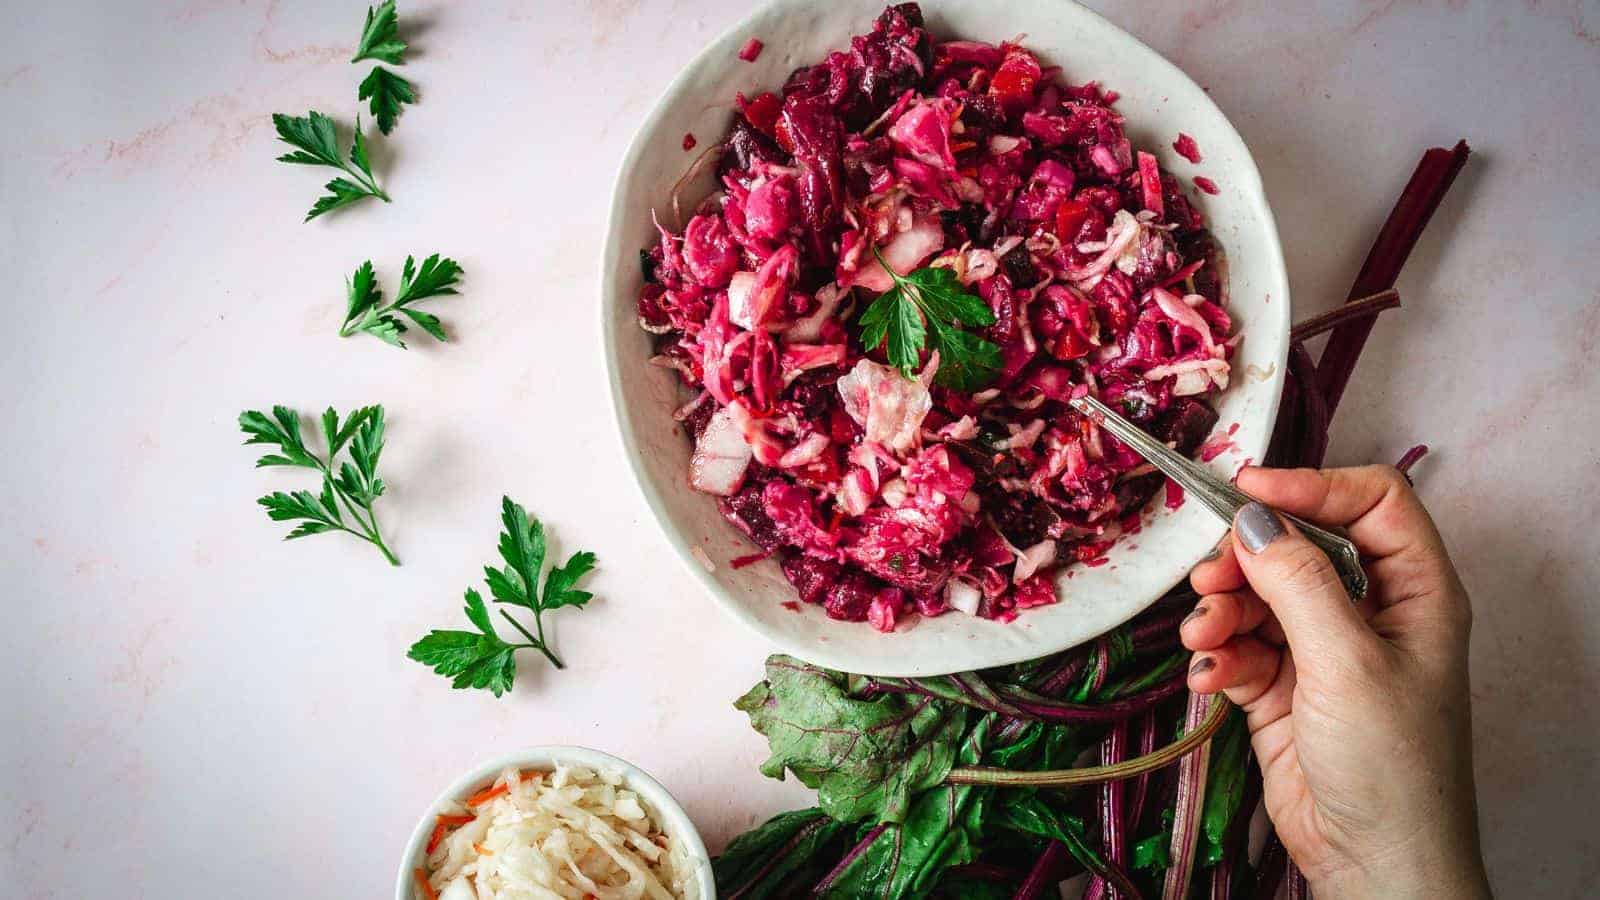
(1298, 582)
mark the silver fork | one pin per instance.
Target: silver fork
(1219, 496)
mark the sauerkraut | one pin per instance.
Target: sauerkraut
(574, 832)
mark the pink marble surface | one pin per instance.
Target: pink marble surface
(194, 708)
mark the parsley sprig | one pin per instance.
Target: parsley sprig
(366, 312)
(380, 40)
(317, 144)
(482, 659)
(380, 36)
(353, 484)
(385, 92)
(926, 308)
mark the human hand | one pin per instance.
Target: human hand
(1358, 713)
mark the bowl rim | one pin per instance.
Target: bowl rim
(670, 815)
(1248, 174)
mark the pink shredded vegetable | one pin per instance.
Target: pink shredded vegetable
(751, 50)
(884, 498)
(1185, 147)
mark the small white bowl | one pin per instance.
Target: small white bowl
(1158, 101)
(664, 810)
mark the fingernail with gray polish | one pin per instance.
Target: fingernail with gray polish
(1195, 613)
(1202, 665)
(1257, 526)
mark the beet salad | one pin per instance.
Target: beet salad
(918, 252)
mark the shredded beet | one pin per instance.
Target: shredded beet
(751, 50)
(1185, 147)
(887, 497)
(1206, 184)
(688, 140)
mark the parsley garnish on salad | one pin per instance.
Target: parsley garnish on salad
(925, 309)
(481, 658)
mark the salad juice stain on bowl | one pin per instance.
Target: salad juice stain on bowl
(655, 802)
(1158, 103)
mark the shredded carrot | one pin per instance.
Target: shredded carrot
(442, 824)
(422, 882)
(535, 777)
(435, 838)
(959, 146)
(482, 850)
(484, 796)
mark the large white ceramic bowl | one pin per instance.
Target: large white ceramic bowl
(662, 808)
(1158, 101)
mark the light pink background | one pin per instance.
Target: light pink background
(194, 708)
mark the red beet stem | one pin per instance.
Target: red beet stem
(1410, 459)
(1113, 819)
(1366, 307)
(1400, 233)
(1189, 806)
(1046, 873)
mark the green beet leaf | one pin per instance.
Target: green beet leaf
(865, 758)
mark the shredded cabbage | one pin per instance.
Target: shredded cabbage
(574, 832)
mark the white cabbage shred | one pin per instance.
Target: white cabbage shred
(573, 833)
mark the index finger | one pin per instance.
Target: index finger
(1374, 503)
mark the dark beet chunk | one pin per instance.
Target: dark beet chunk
(1186, 424)
(1024, 519)
(810, 576)
(848, 598)
(1134, 493)
(893, 57)
(1201, 245)
(746, 510)
(747, 146)
(1018, 266)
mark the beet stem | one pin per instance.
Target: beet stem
(1366, 307)
(1417, 203)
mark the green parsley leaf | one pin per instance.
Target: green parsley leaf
(364, 293)
(923, 311)
(316, 143)
(483, 660)
(352, 486)
(436, 278)
(283, 429)
(943, 296)
(385, 92)
(380, 37)
(967, 362)
(558, 585)
(522, 548)
(472, 660)
(366, 312)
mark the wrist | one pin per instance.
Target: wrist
(1407, 874)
